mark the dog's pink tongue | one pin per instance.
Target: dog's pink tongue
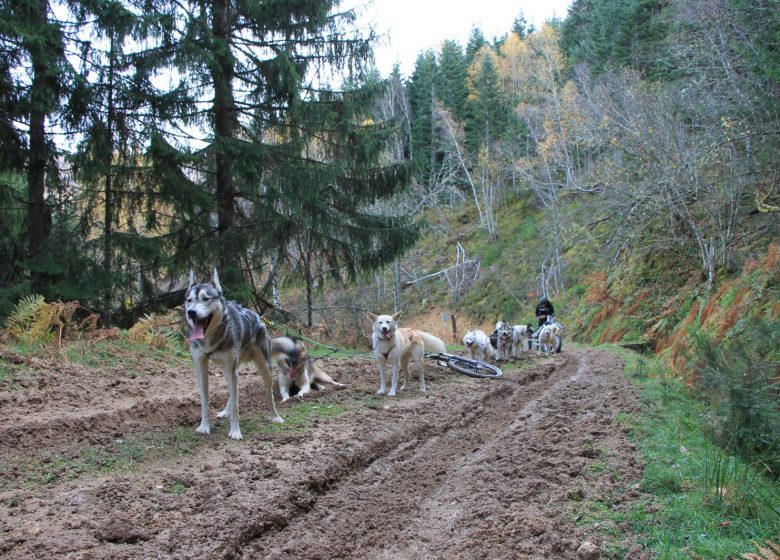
(293, 373)
(197, 332)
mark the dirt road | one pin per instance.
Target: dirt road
(105, 464)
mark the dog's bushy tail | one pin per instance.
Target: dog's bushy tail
(432, 343)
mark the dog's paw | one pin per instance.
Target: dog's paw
(277, 419)
(204, 429)
(235, 434)
(391, 393)
(381, 391)
(224, 414)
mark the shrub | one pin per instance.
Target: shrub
(740, 380)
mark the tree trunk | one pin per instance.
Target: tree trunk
(108, 216)
(40, 91)
(397, 284)
(222, 71)
(309, 292)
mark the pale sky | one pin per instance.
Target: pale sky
(412, 26)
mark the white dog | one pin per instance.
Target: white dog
(520, 335)
(548, 338)
(478, 345)
(397, 347)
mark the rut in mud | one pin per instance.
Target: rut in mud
(471, 469)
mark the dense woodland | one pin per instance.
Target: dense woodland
(143, 138)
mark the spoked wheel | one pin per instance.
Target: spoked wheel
(473, 368)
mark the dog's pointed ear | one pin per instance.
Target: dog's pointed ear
(396, 316)
(215, 281)
(371, 316)
(192, 279)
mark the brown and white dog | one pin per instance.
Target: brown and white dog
(297, 371)
(398, 347)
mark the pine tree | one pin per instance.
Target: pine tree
(422, 98)
(475, 43)
(270, 163)
(451, 78)
(32, 38)
(487, 109)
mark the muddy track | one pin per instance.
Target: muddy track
(471, 469)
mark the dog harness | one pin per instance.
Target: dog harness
(387, 354)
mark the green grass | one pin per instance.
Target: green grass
(297, 418)
(702, 502)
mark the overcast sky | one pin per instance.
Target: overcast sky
(412, 26)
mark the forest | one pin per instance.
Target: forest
(142, 139)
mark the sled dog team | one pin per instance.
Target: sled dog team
(225, 332)
(509, 341)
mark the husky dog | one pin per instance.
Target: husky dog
(549, 338)
(397, 347)
(230, 335)
(296, 368)
(478, 345)
(519, 335)
(504, 341)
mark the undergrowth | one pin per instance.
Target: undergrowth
(701, 501)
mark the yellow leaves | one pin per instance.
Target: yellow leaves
(34, 321)
(158, 331)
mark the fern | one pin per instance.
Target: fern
(34, 321)
(158, 331)
(771, 552)
(24, 316)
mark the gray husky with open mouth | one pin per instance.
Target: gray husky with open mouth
(223, 331)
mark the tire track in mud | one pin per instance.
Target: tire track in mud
(100, 412)
(472, 469)
(408, 501)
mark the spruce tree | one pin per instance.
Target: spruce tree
(422, 98)
(116, 105)
(31, 38)
(264, 162)
(488, 114)
(451, 78)
(475, 43)
(521, 27)
(616, 33)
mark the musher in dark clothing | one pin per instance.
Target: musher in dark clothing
(544, 310)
